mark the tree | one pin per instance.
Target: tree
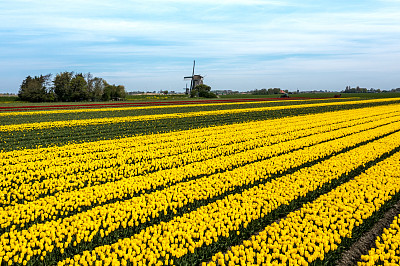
(90, 84)
(260, 92)
(35, 89)
(79, 90)
(120, 91)
(98, 88)
(202, 90)
(355, 90)
(62, 86)
(270, 91)
(113, 91)
(67, 86)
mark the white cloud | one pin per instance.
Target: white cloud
(252, 38)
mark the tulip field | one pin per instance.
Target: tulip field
(292, 182)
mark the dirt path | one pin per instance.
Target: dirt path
(367, 241)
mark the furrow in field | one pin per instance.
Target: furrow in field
(387, 246)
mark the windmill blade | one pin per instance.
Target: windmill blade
(190, 77)
(192, 83)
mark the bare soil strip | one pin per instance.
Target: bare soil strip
(367, 241)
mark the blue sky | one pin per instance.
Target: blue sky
(237, 44)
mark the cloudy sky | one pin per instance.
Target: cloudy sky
(237, 44)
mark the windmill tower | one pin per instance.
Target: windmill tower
(194, 79)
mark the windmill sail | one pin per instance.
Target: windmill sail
(194, 79)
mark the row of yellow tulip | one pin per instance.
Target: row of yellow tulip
(44, 176)
(319, 227)
(49, 176)
(64, 203)
(203, 226)
(387, 250)
(139, 144)
(161, 141)
(71, 159)
(145, 143)
(112, 120)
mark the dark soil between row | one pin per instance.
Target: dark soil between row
(367, 241)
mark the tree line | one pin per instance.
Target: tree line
(365, 90)
(68, 87)
(202, 90)
(270, 91)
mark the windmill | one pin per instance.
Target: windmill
(194, 79)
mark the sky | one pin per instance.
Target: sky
(237, 44)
